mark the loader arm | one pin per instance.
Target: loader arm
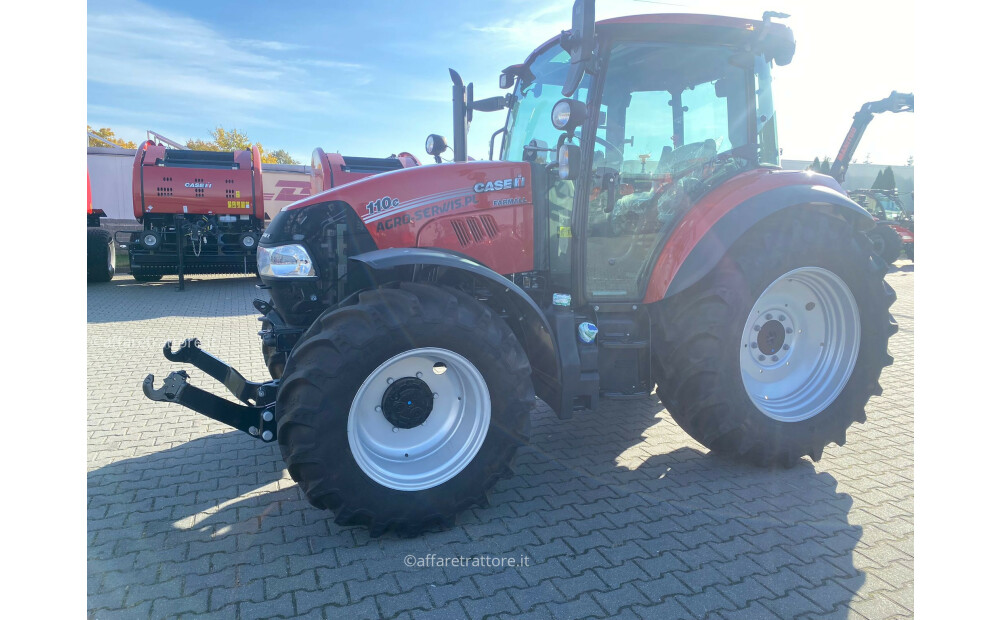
(895, 102)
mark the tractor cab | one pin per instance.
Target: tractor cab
(669, 107)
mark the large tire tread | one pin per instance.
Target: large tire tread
(343, 337)
(693, 356)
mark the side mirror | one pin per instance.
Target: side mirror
(579, 42)
(533, 149)
(569, 162)
(509, 75)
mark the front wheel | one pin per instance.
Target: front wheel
(775, 353)
(404, 409)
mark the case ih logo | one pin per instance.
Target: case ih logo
(493, 186)
(198, 185)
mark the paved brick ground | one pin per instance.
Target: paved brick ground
(617, 513)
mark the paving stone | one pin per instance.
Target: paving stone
(618, 512)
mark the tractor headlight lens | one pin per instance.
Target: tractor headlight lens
(284, 261)
(561, 114)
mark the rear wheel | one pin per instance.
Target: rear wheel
(404, 409)
(100, 255)
(775, 353)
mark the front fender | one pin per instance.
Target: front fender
(535, 333)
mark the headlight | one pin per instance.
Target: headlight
(561, 114)
(284, 261)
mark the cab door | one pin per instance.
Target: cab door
(668, 116)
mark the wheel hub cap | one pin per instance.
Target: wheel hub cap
(771, 337)
(800, 344)
(407, 402)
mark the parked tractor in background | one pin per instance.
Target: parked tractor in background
(891, 217)
(888, 238)
(100, 244)
(421, 311)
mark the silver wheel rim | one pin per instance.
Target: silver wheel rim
(800, 344)
(418, 458)
(248, 242)
(149, 240)
(111, 256)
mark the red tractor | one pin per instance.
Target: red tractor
(421, 311)
(894, 224)
(891, 233)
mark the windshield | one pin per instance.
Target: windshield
(530, 117)
(892, 209)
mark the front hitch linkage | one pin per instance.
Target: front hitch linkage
(256, 417)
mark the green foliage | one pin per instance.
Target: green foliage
(825, 166)
(236, 140)
(815, 166)
(889, 179)
(886, 179)
(109, 135)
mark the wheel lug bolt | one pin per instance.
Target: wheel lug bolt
(785, 347)
(774, 358)
(395, 430)
(760, 357)
(435, 394)
(781, 317)
(769, 316)
(419, 374)
(753, 345)
(756, 328)
(788, 330)
(378, 409)
(389, 380)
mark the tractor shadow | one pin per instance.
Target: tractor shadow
(619, 486)
(124, 299)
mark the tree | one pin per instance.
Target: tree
(878, 181)
(236, 140)
(281, 156)
(815, 166)
(825, 166)
(888, 179)
(109, 135)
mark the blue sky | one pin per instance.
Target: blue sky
(370, 78)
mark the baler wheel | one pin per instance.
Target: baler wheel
(775, 352)
(100, 255)
(404, 409)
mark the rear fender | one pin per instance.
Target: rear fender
(535, 333)
(684, 264)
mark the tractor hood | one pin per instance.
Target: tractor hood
(480, 208)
